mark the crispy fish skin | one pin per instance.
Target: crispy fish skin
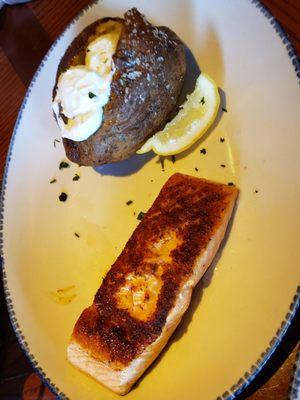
(147, 290)
(150, 67)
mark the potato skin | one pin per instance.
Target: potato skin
(150, 68)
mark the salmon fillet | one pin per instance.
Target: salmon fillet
(147, 290)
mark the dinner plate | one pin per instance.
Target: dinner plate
(55, 253)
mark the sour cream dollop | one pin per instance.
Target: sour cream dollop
(83, 90)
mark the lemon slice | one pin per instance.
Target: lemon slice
(192, 121)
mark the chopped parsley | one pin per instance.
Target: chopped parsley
(141, 215)
(105, 61)
(162, 163)
(256, 191)
(173, 159)
(92, 95)
(224, 109)
(63, 196)
(196, 169)
(63, 165)
(223, 165)
(53, 180)
(230, 184)
(76, 177)
(202, 101)
(77, 235)
(129, 202)
(222, 140)
(55, 141)
(203, 151)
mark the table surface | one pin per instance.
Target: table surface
(20, 55)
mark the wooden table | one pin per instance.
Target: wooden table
(26, 33)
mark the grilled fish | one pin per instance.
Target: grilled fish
(147, 290)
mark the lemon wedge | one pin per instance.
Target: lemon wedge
(194, 118)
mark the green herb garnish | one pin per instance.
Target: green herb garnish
(202, 101)
(222, 140)
(63, 165)
(196, 169)
(76, 177)
(256, 191)
(203, 151)
(223, 165)
(63, 196)
(92, 95)
(129, 202)
(76, 234)
(162, 163)
(141, 215)
(55, 141)
(224, 109)
(230, 184)
(53, 180)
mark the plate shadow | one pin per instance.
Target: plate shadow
(126, 167)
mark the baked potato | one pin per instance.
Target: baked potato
(147, 73)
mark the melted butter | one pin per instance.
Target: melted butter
(139, 295)
(64, 295)
(101, 50)
(161, 250)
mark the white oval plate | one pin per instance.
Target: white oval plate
(241, 309)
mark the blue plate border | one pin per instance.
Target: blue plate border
(249, 376)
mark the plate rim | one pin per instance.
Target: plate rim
(254, 370)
